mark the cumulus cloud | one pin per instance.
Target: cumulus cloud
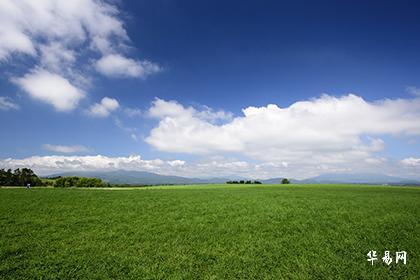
(114, 65)
(161, 109)
(104, 108)
(27, 26)
(326, 130)
(7, 103)
(51, 88)
(66, 149)
(62, 38)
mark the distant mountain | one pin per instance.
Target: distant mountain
(346, 178)
(359, 178)
(139, 178)
(278, 180)
(149, 178)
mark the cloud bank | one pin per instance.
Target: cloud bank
(205, 168)
(321, 131)
(323, 135)
(51, 164)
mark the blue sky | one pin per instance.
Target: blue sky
(86, 85)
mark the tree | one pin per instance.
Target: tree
(6, 177)
(285, 181)
(19, 177)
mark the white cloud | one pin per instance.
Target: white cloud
(411, 162)
(326, 130)
(27, 26)
(213, 116)
(375, 161)
(114, 65)
(51, 88)
(175, 163)
(161, 109)
(7, 103)
(55, 55)
(12, 38)
(63, 38)
(104, 108)
(66, 149)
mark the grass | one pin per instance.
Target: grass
(209, 232)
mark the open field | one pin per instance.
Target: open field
(209, 232)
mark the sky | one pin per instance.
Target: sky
(253, 89)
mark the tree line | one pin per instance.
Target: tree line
(25, 176)
(19, 177)
(283, 181)
(80, 182)
(243, 182)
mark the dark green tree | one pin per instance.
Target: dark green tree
(19, 177)
(285, 181)
(79, 182)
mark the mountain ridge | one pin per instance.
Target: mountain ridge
(139, 177)
(149, 178)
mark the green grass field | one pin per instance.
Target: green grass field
(209, 232)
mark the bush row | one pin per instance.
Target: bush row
(243, 182)
(80, 182)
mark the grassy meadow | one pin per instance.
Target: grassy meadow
(209, 232)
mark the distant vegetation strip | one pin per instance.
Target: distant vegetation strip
(79, 182)
(82, 182)
(27, 177)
